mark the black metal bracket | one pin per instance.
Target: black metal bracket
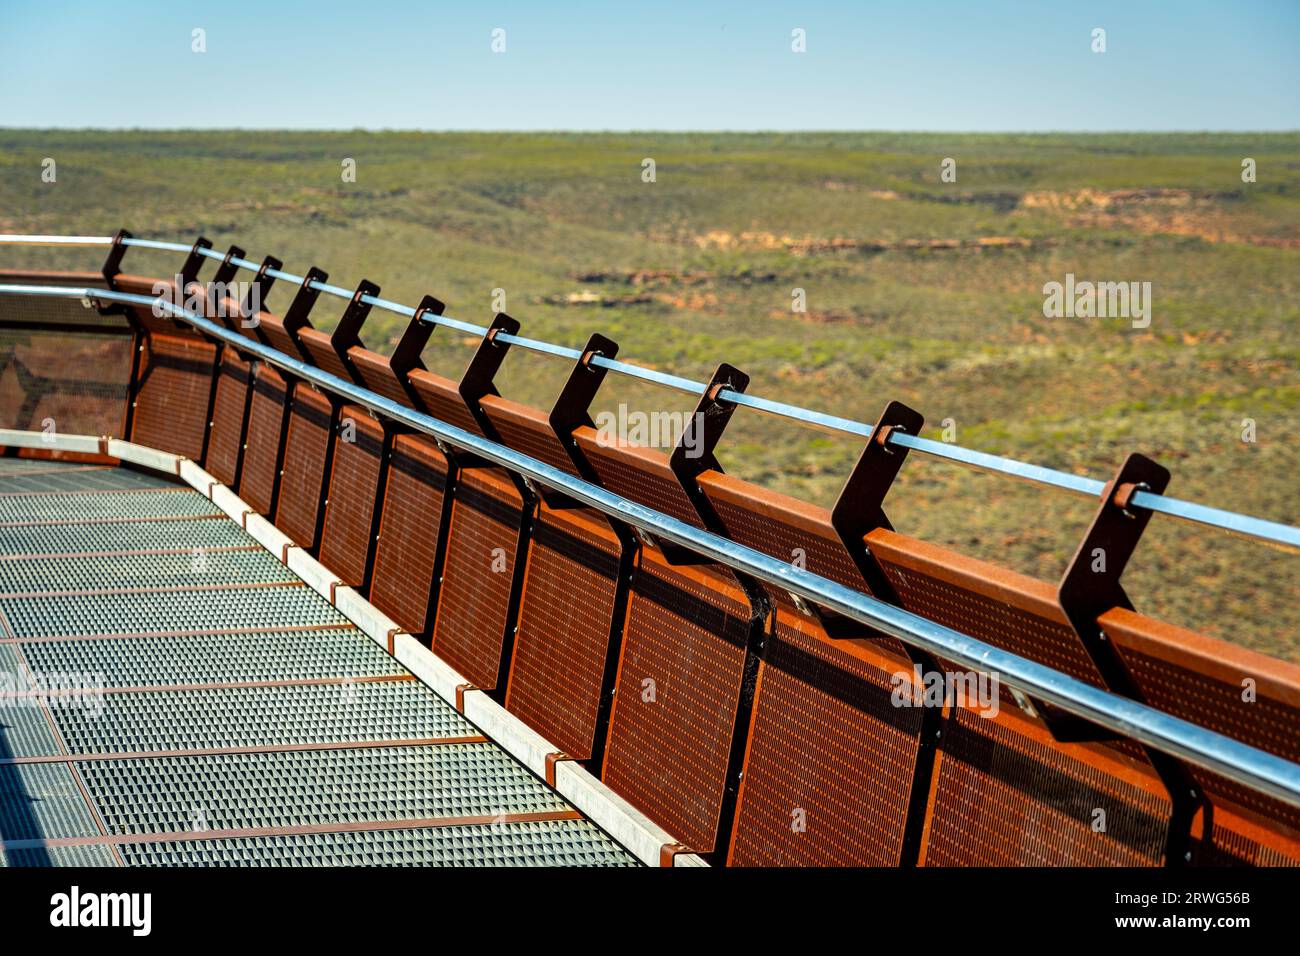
(406, 356)
(694, 454)
(228, 269)
(259, 288)
(193, 263)
(859, 508)
(110, 270)
(298, 315)
(572, 409)
(112, 267)
(348, 332)
(1088, 589)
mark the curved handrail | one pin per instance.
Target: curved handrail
(1247, 765)
(1274, 532)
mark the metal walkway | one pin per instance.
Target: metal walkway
(175, 695)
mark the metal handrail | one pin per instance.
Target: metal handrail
(1271, 531)
(1247, 765)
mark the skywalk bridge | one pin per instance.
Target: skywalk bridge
(276, 547)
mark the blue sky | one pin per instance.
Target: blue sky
(992, 65)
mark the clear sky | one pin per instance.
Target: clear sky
(980, 65)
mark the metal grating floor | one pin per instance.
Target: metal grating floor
(210, 709)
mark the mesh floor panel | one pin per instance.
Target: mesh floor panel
(194, 569)
(58, 856)
(173, 535)
(550, 843)
(106, 506)
(259, 717)
(167, 612)
(216, 659)
(307, 788)
(225, 696)
(42, 801)
(39, 480)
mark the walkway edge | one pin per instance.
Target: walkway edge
(643, 838)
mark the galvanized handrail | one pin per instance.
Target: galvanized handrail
(1271, 531)
(1249, 766)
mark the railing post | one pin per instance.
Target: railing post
(859, 510)
(572, 410)
(1088, 589)
(693, 455)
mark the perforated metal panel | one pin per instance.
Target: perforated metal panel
(39, 479)
(831, 757)
(473, 605)
(234, 379)
(678, 691)
(442, 399)
(353, 494)
(1004, 794)
(639, 474)
(550, 843)
(564, 628)
(1008, 610)
(171, 402)
(409, 529)
(266, 426)
(1244, 827)
(58, 856)
(41, 801)
(306, 454)
(25, 732)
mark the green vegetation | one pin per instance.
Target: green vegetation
(699, 267)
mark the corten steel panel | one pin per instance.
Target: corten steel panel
(566, 613)
(442, 400)
(175, 386)
(679, 684)
(638, 473)
(224, 444)
(989, 761)
(266, 426)
(376, 374)
(1005, 794)
(469, 631)
(272, 327)
(1009, 610)
(568, 603)
(830, 758)
(526, 430)
(353, 496)
(306, 454)
(827, 748)
(409, 528)
(1205, 681)
(318, 346)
